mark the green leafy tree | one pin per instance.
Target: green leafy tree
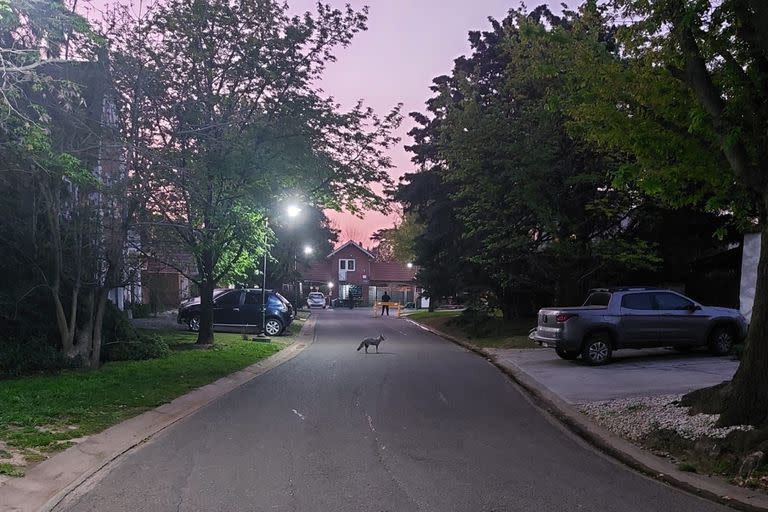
(536, 208)
(63, 231)
(397, 243)
(225, 117)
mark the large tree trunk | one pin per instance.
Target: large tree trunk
(205, 335)
(744, 400)
(748, 395)
(98, 324)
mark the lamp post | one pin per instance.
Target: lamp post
(330, 293)
(292, 211)
(307, 251)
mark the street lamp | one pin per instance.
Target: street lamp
(409, 265)
(307, 251)
(292, 211)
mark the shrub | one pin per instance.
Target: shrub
(122, 342)
(33, 355)
(143, 347)
(474, 322)
(117, 326)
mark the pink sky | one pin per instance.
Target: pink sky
(407, 44)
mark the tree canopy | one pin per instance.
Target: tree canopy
(227, 122)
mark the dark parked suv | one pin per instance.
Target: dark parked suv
(240, 310)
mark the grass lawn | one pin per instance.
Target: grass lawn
(500, 333)
(42, 414)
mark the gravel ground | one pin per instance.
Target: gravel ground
(634, 418)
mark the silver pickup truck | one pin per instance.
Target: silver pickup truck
(619, 318)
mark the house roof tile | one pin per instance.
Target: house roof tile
(381, 271)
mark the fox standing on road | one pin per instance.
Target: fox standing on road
(371, 341)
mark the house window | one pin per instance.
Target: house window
(348, 265)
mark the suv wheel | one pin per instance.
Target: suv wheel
(194, 323)
(273, 327)
(721, 341)
(597, 349)
(568, 355)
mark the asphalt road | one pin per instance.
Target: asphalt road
(422, 426)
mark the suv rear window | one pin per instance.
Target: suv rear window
(598, 299)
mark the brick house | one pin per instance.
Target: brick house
(355, 272)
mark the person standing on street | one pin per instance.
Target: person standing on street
(385, 306)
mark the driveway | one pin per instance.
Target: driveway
(631, 373)
(423, 426)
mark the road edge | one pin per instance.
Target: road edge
(46, 485)
(711, 488)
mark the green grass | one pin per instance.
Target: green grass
(426, 315)
(687, 467)
(44, 412)
(499, 333)
(10, 470)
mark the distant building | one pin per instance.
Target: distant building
(354, 272)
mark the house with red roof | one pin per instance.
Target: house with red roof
(354, 272)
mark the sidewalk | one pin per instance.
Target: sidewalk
(632, 373)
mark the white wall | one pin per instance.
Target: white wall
(749, 262)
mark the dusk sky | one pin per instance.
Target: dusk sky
(407, 44)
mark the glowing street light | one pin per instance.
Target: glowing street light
(409, 265)
(330, 285)
(307, 251)
(293, 211)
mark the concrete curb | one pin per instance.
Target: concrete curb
(711, 488)
(48, 483)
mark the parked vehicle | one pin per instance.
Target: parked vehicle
(620, 318)
(241, 311)
(315, 300)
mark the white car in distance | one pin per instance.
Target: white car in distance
(315, 300)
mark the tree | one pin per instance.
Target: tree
(439, 246)
(536, 207)
(397, 243)
(684, 92)
(225, 117)
(63, 230)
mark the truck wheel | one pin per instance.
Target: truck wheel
(721, 341)
(597, 349)
(568, 355)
